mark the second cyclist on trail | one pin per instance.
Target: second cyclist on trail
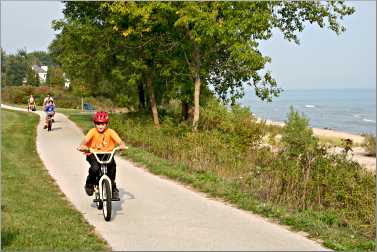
(101, 139)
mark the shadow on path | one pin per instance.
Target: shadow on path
(116, 205)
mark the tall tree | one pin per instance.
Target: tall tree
(41, 58)
(90, 50)
(221, 40)
(55, 77)
(166, 44)
(144, 27)
(16, 68)
(32, 77)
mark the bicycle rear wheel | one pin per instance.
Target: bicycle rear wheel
(106, 199)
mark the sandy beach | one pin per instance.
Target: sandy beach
(325, 132)
(358, 154)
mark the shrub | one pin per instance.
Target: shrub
(297, 137)
(237, 124)
(304, 176)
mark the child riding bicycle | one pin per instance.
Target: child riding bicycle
(101, 139)
(31, 103)
(50, 111)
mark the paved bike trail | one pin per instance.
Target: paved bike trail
(155, 213)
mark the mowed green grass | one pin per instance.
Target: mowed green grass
(35, 214)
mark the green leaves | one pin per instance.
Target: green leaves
(176, 43)
(298, 138)
(290, 17)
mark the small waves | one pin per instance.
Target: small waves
(368, 120)
(360, 117)
(351, 111)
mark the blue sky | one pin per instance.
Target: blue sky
(322, 60)
(326, 60)
(28, 24)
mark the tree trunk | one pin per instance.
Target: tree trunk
(153, 103)
(184, 112)
(187, 111)
(196, 103)
(197, 88)
(140, 88)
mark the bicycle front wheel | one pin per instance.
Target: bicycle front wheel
(106, 198)
(49, 125)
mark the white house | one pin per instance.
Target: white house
(41, 71)
(67, 82)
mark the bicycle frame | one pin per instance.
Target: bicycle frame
(31, 107)
(103, 164)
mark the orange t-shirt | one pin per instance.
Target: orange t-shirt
(104, 141)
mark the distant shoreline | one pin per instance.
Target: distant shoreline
(350, 111)
(323, 132)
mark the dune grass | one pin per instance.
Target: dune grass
(35, 213)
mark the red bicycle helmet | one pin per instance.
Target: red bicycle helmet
(101, 117)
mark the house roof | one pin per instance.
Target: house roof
(38, 69)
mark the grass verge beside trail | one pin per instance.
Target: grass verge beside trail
(322, 224)
(35, 214)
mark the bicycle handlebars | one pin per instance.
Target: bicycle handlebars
(111, 153)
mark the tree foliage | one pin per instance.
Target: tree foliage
(175, 50)
(16, 68)
(55, 77)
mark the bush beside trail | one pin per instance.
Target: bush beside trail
(301, 177)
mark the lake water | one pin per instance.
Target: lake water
(348, 110)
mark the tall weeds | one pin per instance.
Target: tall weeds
(301, 176)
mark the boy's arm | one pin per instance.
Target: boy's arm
(83, 146)
(118, 140)
(85, 141)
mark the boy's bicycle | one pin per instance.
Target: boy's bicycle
(50, 119)
(31, 107)
(103, 191)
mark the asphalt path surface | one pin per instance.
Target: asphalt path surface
(155, 213)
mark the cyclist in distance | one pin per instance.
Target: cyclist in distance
(101, 139)
(47, 99)
(31, 103)
(50, 110)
